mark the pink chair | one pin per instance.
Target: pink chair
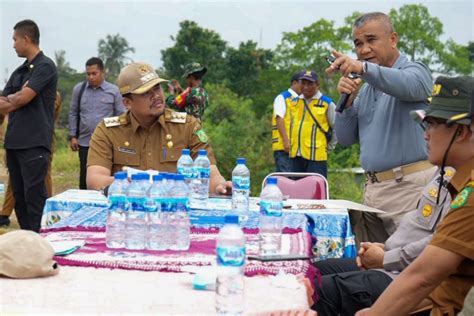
(311, 186)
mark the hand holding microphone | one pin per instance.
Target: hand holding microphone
(351, 70)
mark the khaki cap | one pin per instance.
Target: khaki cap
(25, 254)
(138, 78)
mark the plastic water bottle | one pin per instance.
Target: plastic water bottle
(136, 216)
(240, 186)
(202, 169)
(156, 224)
(230, 251)
(270, 221)
(181, 214)
(185, 166)
(115, 227)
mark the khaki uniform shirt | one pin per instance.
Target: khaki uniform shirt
(120, 141)
(417, 227)
(456, 234)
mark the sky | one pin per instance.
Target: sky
(77, 26)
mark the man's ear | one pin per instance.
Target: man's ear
(394, 39)
(127, 102)
(463, 133)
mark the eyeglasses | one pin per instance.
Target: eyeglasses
(432, 122)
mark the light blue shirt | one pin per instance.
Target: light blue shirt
(379, 118)
(96, 104)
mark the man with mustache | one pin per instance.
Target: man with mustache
(147, 136)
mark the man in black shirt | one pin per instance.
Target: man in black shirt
(28, 98)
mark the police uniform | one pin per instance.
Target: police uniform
(346, 289)
(120, 142)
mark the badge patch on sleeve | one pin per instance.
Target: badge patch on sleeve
(201, 134)
(461, 198)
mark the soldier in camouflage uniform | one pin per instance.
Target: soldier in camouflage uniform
(194, 99)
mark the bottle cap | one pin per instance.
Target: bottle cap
(272, 180)
(231, 219)
(202, 152)
(157, 177)
(136, 177)
(241, 161)
(185, 151)
(145, 176)
(120, 175)
(179, 177)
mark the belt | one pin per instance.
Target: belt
(398, 172)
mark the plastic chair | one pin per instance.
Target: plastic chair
(311, 186)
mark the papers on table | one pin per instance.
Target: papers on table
(64, 248)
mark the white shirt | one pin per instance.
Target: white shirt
(279, 104)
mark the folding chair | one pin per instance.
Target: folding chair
(311, 186)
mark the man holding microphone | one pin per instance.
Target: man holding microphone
(376, 115)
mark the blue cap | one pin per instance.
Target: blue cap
(241, 161)
(185, 151)
(272, 180)
(145, 176)
(297, 76)
(202, 152)
(179, 177)
(136, 176)
(157, 177)
(120, 175)
(231, 219)
(309, 75)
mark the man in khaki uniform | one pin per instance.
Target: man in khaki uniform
(446, 267)
(148, 136)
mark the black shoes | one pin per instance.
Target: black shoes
(4, 220)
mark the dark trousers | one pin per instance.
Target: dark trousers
(27, 169)
(83, 151)
(282, 161)
(299, 164)
(345, 289)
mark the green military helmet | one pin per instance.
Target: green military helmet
(193, 68)
(452, 99)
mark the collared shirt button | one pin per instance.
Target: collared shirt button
(149, 154)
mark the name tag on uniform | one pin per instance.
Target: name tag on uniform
(127, 150)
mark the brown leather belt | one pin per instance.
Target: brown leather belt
(398, 173)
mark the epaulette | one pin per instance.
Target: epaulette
(175, 117)
(326, 99)
(114, 121)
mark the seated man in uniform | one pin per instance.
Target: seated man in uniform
(446, 267)
(147, 136)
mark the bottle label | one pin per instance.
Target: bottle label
(182, 204)
(118, 202)
(137, 204)
(203, 173)
(187, 172)
(240, 183)
(271, 208)
(230, 256)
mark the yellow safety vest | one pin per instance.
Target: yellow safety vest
(305, 136)
(277, 139)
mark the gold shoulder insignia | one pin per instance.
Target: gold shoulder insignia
(462, 197)
(178, 117)
(112, 121)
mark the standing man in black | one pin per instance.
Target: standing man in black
(28, 99)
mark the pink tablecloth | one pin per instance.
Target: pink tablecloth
(201, 253)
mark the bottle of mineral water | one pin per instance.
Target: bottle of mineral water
(202, 169)
(181, 214)
(156, 224)
(115, 227)
(185, 166)
(135, 226)
(230, 251)
(240, 186)
(270, 221)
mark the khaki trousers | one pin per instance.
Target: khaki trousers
(395, 198)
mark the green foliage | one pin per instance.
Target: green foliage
(113, 50)
(235, 131)
(455, 59)
(195, 44)
(66, 83)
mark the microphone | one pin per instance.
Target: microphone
(342, 102)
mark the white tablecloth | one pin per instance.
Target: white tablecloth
(102, 291)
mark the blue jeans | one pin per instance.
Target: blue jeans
(282, 161)
(299, 164)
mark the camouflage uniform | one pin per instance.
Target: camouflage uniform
(193, 100)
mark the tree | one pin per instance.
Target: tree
(113, 51)
(62, 65)
(245, 66)
(456, 59)
(195, 44)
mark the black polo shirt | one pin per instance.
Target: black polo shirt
(33, 124)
